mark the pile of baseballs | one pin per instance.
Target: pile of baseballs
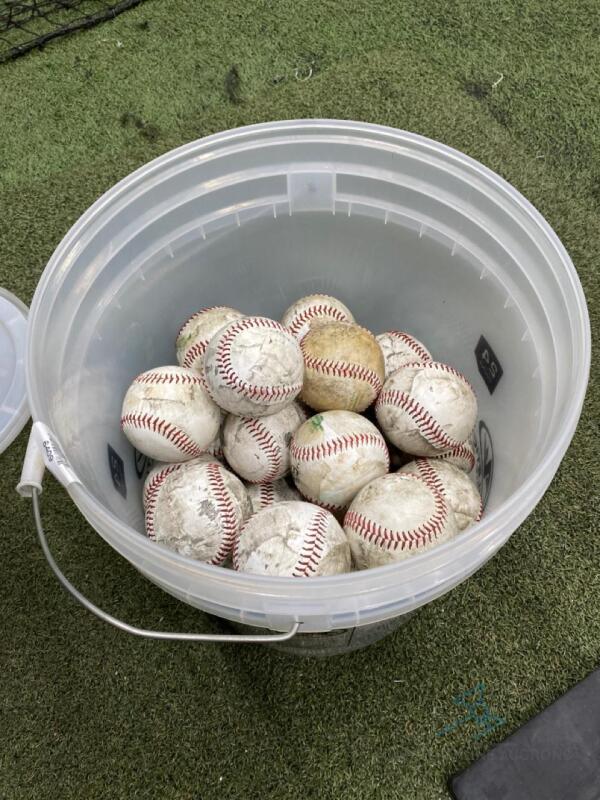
(274, 442)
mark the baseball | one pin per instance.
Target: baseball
(426, 409)
(461, 455)
(300, 315)
(458, 489)
(257, 448)
(168, 415)
(196, 333)
(196, 508)
(263, 495)
(399, 349)
(295, 539)
(343, 367)
(395, 517)
(334, 454)
(253, 367)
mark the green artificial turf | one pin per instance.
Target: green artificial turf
(87, 711)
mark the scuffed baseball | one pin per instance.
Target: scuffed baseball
(426, 409)
(168, 415)
(198, 330)
(343, 367)
(300, 316)
(263, 495)
(334, 454)
(395, 517)
(253, 367)
(196, 508)
(458, 489)
(399, 349)
(258, 448)
(294, 539)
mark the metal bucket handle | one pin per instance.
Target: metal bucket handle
(44, 451)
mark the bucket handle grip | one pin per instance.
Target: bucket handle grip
(125, 626)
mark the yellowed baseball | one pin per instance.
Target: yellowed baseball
(458, 489)
(295, 539)
(395, 517)
(301, 315)
(334, 454)
(343, 367)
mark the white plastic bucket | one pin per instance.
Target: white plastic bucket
(409, 233)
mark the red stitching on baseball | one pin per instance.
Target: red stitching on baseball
(461, 450)
(215, 450)
(439, 366)
(430, 476)
(196, 315)
(390, 539)
(168, 377)
(321, 310)
(267, 444)
(151, 492)
(327, 506)
(316, 502)
(235, 552)
(342, 369)
(481, 509)
(427, 425)
(196, 350)
(229, 376)
(176, 436)
(313, 545)
(193, 352)
(226, 511)
(414, 345)
(335, 446)
(266, 494)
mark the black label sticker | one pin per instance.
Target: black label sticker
(489, 366)
(485, 461)
(142, 464)
(117, 471)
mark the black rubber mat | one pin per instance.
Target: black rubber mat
(555, 756)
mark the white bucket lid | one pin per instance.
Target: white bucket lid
(14, 411)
